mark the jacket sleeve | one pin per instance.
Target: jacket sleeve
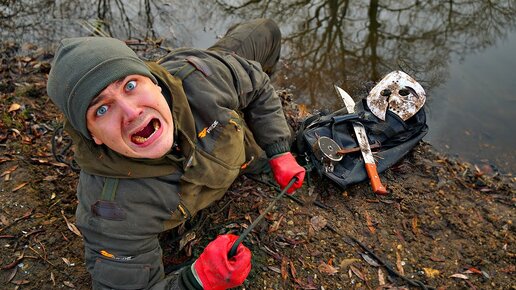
(121, 243)
(227, 81)
(260, 104)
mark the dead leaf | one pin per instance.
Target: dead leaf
(436, 259)
(71, 226)
(509, 269)
(310, 231)
(473, 270)
(369, 222)
(20, 186)
(293, 271)
(188, 237)
(9, 171)
(459, 276)
(12, 274)
(327, 269)
(357, 272)
(4, 220)
(14, 107)
(275, 225)
(59, 164)
(52, 278)
(69, 284)
(370, 260)
(40, 161)
(20, 282)
(318, 223)
(50, 178)
(15, 131)
(248, 217)
(274, 269)
(346, 262)
(399, 264)
(4, 159)
(381, 277)
(67, 262)
(415, 229)
(284, 271)
(431, 273)
(303, 110)
(49, 222)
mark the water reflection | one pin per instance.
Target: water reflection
(351, 43)
(45, 22)
(348, 43)
(356, 41)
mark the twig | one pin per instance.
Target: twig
(44, 259)
(390, 269)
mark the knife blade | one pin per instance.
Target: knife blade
(363, 142)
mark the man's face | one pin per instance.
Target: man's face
(132, 117)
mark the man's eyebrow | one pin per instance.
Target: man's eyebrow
(99, 97)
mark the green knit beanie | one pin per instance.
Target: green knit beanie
(85, 66)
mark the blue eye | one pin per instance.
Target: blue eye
(102, 110)
(130, 85)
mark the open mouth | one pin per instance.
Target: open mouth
(147, 132)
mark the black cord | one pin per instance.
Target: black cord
(60, 154)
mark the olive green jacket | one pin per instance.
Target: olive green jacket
(124, 203)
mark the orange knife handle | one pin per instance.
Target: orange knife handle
(376, 183)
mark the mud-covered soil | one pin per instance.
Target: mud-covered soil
(445, 224)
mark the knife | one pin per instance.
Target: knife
(361, 135)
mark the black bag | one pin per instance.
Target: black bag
(395, 137)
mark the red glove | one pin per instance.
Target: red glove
(285, 167)
(215, 270)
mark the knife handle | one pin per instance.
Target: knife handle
(376, 183)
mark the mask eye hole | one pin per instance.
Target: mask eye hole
(385, 93)
(404, 92)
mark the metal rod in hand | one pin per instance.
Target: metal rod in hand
(233, 249)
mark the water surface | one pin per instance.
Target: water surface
(462, 52)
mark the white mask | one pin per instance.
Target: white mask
(397, 92)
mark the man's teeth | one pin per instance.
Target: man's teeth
(141, 139)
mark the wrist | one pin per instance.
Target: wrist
(277, 148)
(188, 279)
(195, 275)
(278, 155)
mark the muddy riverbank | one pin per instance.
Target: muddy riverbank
(445, 224)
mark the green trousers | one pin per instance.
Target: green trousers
(258, 40)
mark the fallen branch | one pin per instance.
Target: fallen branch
(353, 241)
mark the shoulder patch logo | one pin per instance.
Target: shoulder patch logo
(203, 133)
(207, 130)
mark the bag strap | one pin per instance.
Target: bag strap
(106, 207)
(192, 64)
(184, 71)
(109, 189)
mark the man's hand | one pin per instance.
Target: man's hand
(215, 271)
(285, 167)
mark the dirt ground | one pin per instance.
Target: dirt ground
(445, 224)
